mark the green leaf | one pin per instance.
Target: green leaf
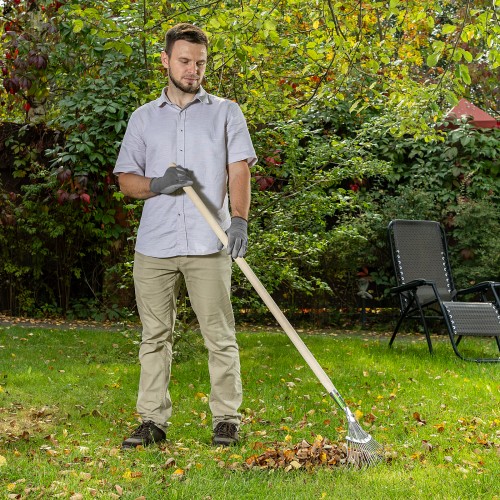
(467, 56)
(464, 73)
(433, 59)
(77, 25)
(354, 106)
(448, 28)
(313, 54)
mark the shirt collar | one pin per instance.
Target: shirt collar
(201, 95)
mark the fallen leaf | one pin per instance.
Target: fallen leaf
(169, 463)
(419, 419)
(440, 427)
(426, 445)
(178, 474)
(3, 460)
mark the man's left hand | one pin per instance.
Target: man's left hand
(237, 238)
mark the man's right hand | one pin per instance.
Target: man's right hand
(173, 179)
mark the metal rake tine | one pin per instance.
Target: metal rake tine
(362, 449)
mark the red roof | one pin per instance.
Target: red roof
(479, 117)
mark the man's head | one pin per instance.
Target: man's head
(185, 57)
(187, 32)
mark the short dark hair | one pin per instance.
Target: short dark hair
(184, 31)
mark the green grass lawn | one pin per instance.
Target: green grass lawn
(67, 399)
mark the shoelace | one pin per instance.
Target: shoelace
(144, 430)
(225, 429)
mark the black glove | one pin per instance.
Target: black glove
(173, 179)
(237, 238)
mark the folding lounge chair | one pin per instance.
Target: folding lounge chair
(425, 286)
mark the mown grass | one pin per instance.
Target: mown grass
(67, 399)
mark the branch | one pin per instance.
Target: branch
(322, 79)
(457, 39)
(335, 20)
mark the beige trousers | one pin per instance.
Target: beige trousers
(208, 282)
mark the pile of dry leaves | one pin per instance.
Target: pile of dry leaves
(303, 455)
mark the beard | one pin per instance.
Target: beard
(188, 89)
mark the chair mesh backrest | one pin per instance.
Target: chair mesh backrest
(419, 252)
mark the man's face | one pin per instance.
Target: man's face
(186, 65)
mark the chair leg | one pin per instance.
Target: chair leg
(497, 338)
(426, 330)
(455, 345)
(459, 338)
(401, 318)
(396, 331)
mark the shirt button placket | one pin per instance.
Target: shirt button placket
(181, 152)
(181, 160)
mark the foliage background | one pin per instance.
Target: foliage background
(345, 102)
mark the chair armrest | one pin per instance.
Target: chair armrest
(480, 287)
(411, 285)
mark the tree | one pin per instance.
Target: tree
(322, 86)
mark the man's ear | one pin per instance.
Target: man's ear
(164, 59)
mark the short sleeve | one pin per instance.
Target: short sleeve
(239, 142)
(132, 155)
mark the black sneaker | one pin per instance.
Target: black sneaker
(225, 434)
(146, 434)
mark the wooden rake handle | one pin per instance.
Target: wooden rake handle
(264, 295)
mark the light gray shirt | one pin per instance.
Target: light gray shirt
(204, 137)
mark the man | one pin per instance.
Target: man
(207, 139)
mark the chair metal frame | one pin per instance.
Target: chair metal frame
(420, 294)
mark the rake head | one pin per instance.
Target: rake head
(362, 449)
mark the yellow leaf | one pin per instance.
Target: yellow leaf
(199, 395)
(358, 414)
(318, 438)
(316, 24)
(288, 438)
(178, 472)
(11, 486)
(128, 474)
